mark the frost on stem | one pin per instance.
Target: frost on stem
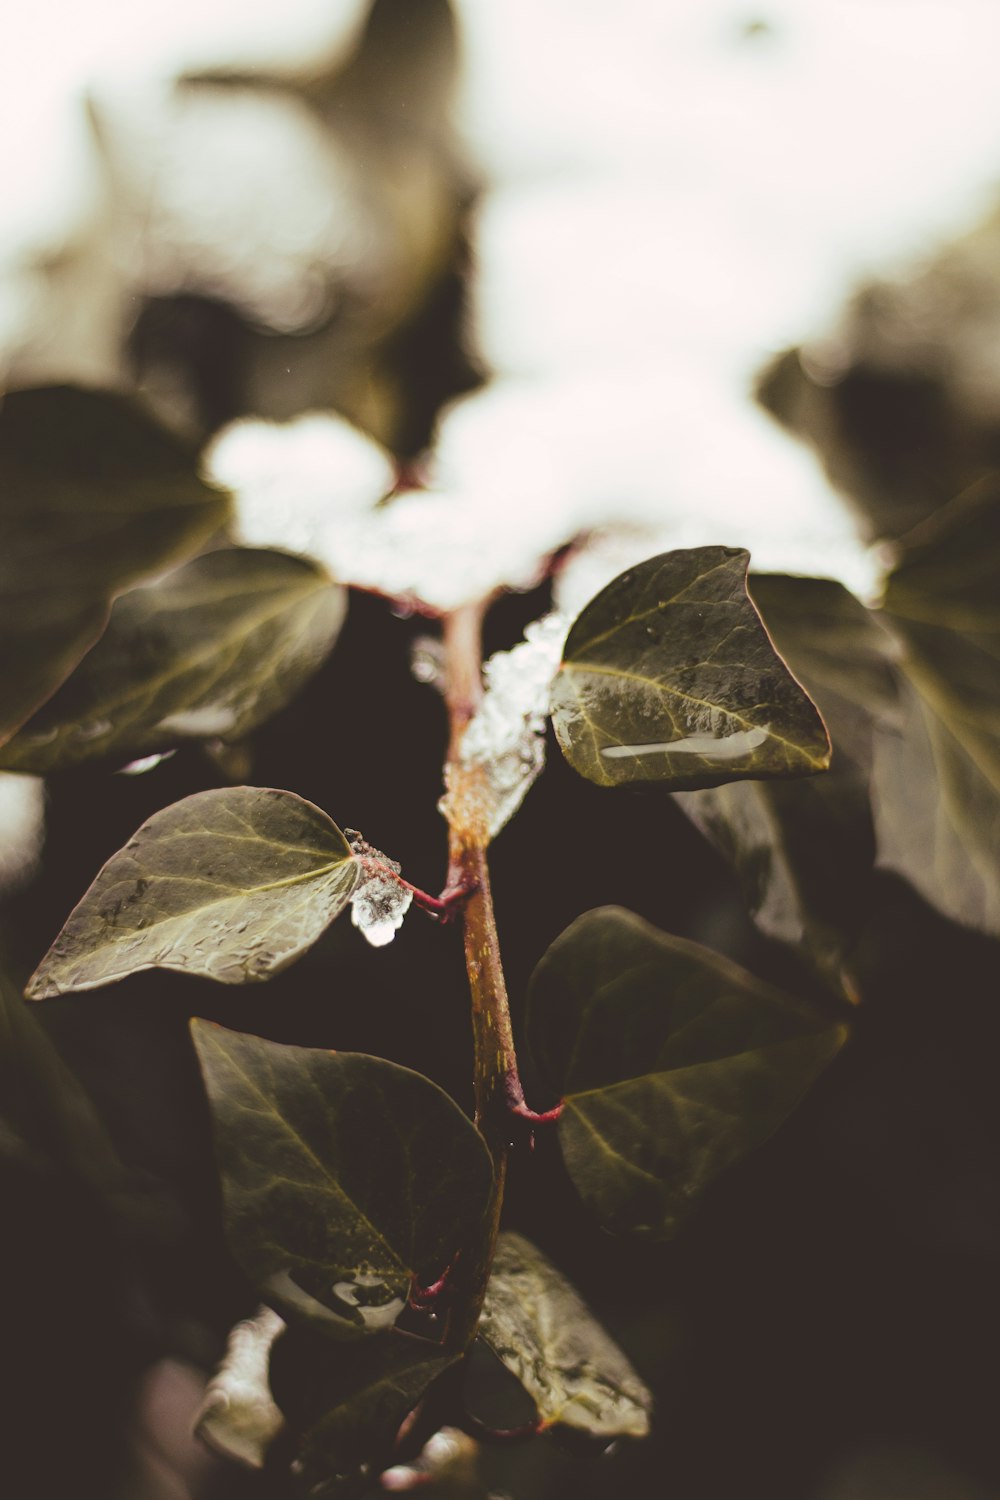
(380, 900)
(505, 738)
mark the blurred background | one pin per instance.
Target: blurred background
(724, 273)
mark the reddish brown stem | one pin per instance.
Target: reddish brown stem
(498, 1094)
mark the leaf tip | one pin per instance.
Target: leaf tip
(40, 986)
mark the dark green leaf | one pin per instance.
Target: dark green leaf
(45, 1114)
(346, 1403)
(804, 849)
(231, 884)
(94, 496)
(542, 1330)
(937, 772)
(210, 651)
(672, 1061)
(668, 675)
(937, 814)
(344, 1176)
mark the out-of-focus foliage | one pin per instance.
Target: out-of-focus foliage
(94, 496)
(211, 651)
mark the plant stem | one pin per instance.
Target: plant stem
(497, 1085)
(496, 1080)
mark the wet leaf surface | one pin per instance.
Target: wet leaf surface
(346, 1403)
(536, 1322)
(231, 884)
(94, 496)
(668, 675)
(804, 850)
(937, 772)
(344, 1176)
(672, 1061)
(211, 651)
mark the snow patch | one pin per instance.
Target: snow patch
(380, 901)
(506, 735)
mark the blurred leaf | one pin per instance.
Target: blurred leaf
(937, 777)
(343, 1176)
(238, 1417)
(804, 850)
(45, 1112)
(347, 1403)
(210, 651)
(672, 1062)
(543, 1331)
(937, 814)
(231, 884)
(94, 496)
(668, 675)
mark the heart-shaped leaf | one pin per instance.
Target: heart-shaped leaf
(937, 772)
(212, 650)
(539, 1326)
(672, 1063)
(668, 675)
(804, 849)
(345, 1405)
(94, 496)
(231, 884)
(343, 1176)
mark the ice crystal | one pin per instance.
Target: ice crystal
(506, 736)
(380, 900)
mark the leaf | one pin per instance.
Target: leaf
(348, 1402)
(343, 1176)
(538, 1325)
(210, 651)
(804, 850)
(672, 1063)
(668, 675)
(937, 774)
(94, 496)
(937, 815)
(238, 1417)
(231, 884)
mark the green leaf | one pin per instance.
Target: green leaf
(668, 675)
(672, 1062)
(937, 771)
(230, 884)
(804, 850)
(94, 496)
(538, 1325)
(346, 1403)
(211, 651)
(937, 814)
(344, 1176)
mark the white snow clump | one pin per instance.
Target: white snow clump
(506, 734)
(379, 902)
